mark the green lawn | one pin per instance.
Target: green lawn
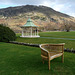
(68, 43)
(70, 35)
(25, 60)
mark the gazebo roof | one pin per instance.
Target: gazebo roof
(29, 23)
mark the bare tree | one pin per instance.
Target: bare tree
(67, 25)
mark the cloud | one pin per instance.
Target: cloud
(58, 7)
(72, 14)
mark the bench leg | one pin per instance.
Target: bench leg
(49, 64)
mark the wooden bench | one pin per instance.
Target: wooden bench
(51, 51)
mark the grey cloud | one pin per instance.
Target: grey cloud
(65, 1)
(34, 2)
(25, 1)
(37, 1)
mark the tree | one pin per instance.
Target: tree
(67, 25)
(6, 34)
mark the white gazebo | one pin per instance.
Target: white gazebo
(29, 29)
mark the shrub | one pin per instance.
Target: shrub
(6, 34)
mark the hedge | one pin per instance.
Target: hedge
(6, 34)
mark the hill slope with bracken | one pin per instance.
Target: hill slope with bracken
(45, 17)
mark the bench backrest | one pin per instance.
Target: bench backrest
(46, 48)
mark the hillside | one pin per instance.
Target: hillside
(46, 17)
(13, 11)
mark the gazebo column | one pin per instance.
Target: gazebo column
(26, 33)
(35, 32)
(22, 32)
(31, 31)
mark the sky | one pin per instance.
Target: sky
(64, 6)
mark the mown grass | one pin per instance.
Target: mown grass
(70, 35)
(68, 43)
(25, 60)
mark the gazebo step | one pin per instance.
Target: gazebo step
(30, 36)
